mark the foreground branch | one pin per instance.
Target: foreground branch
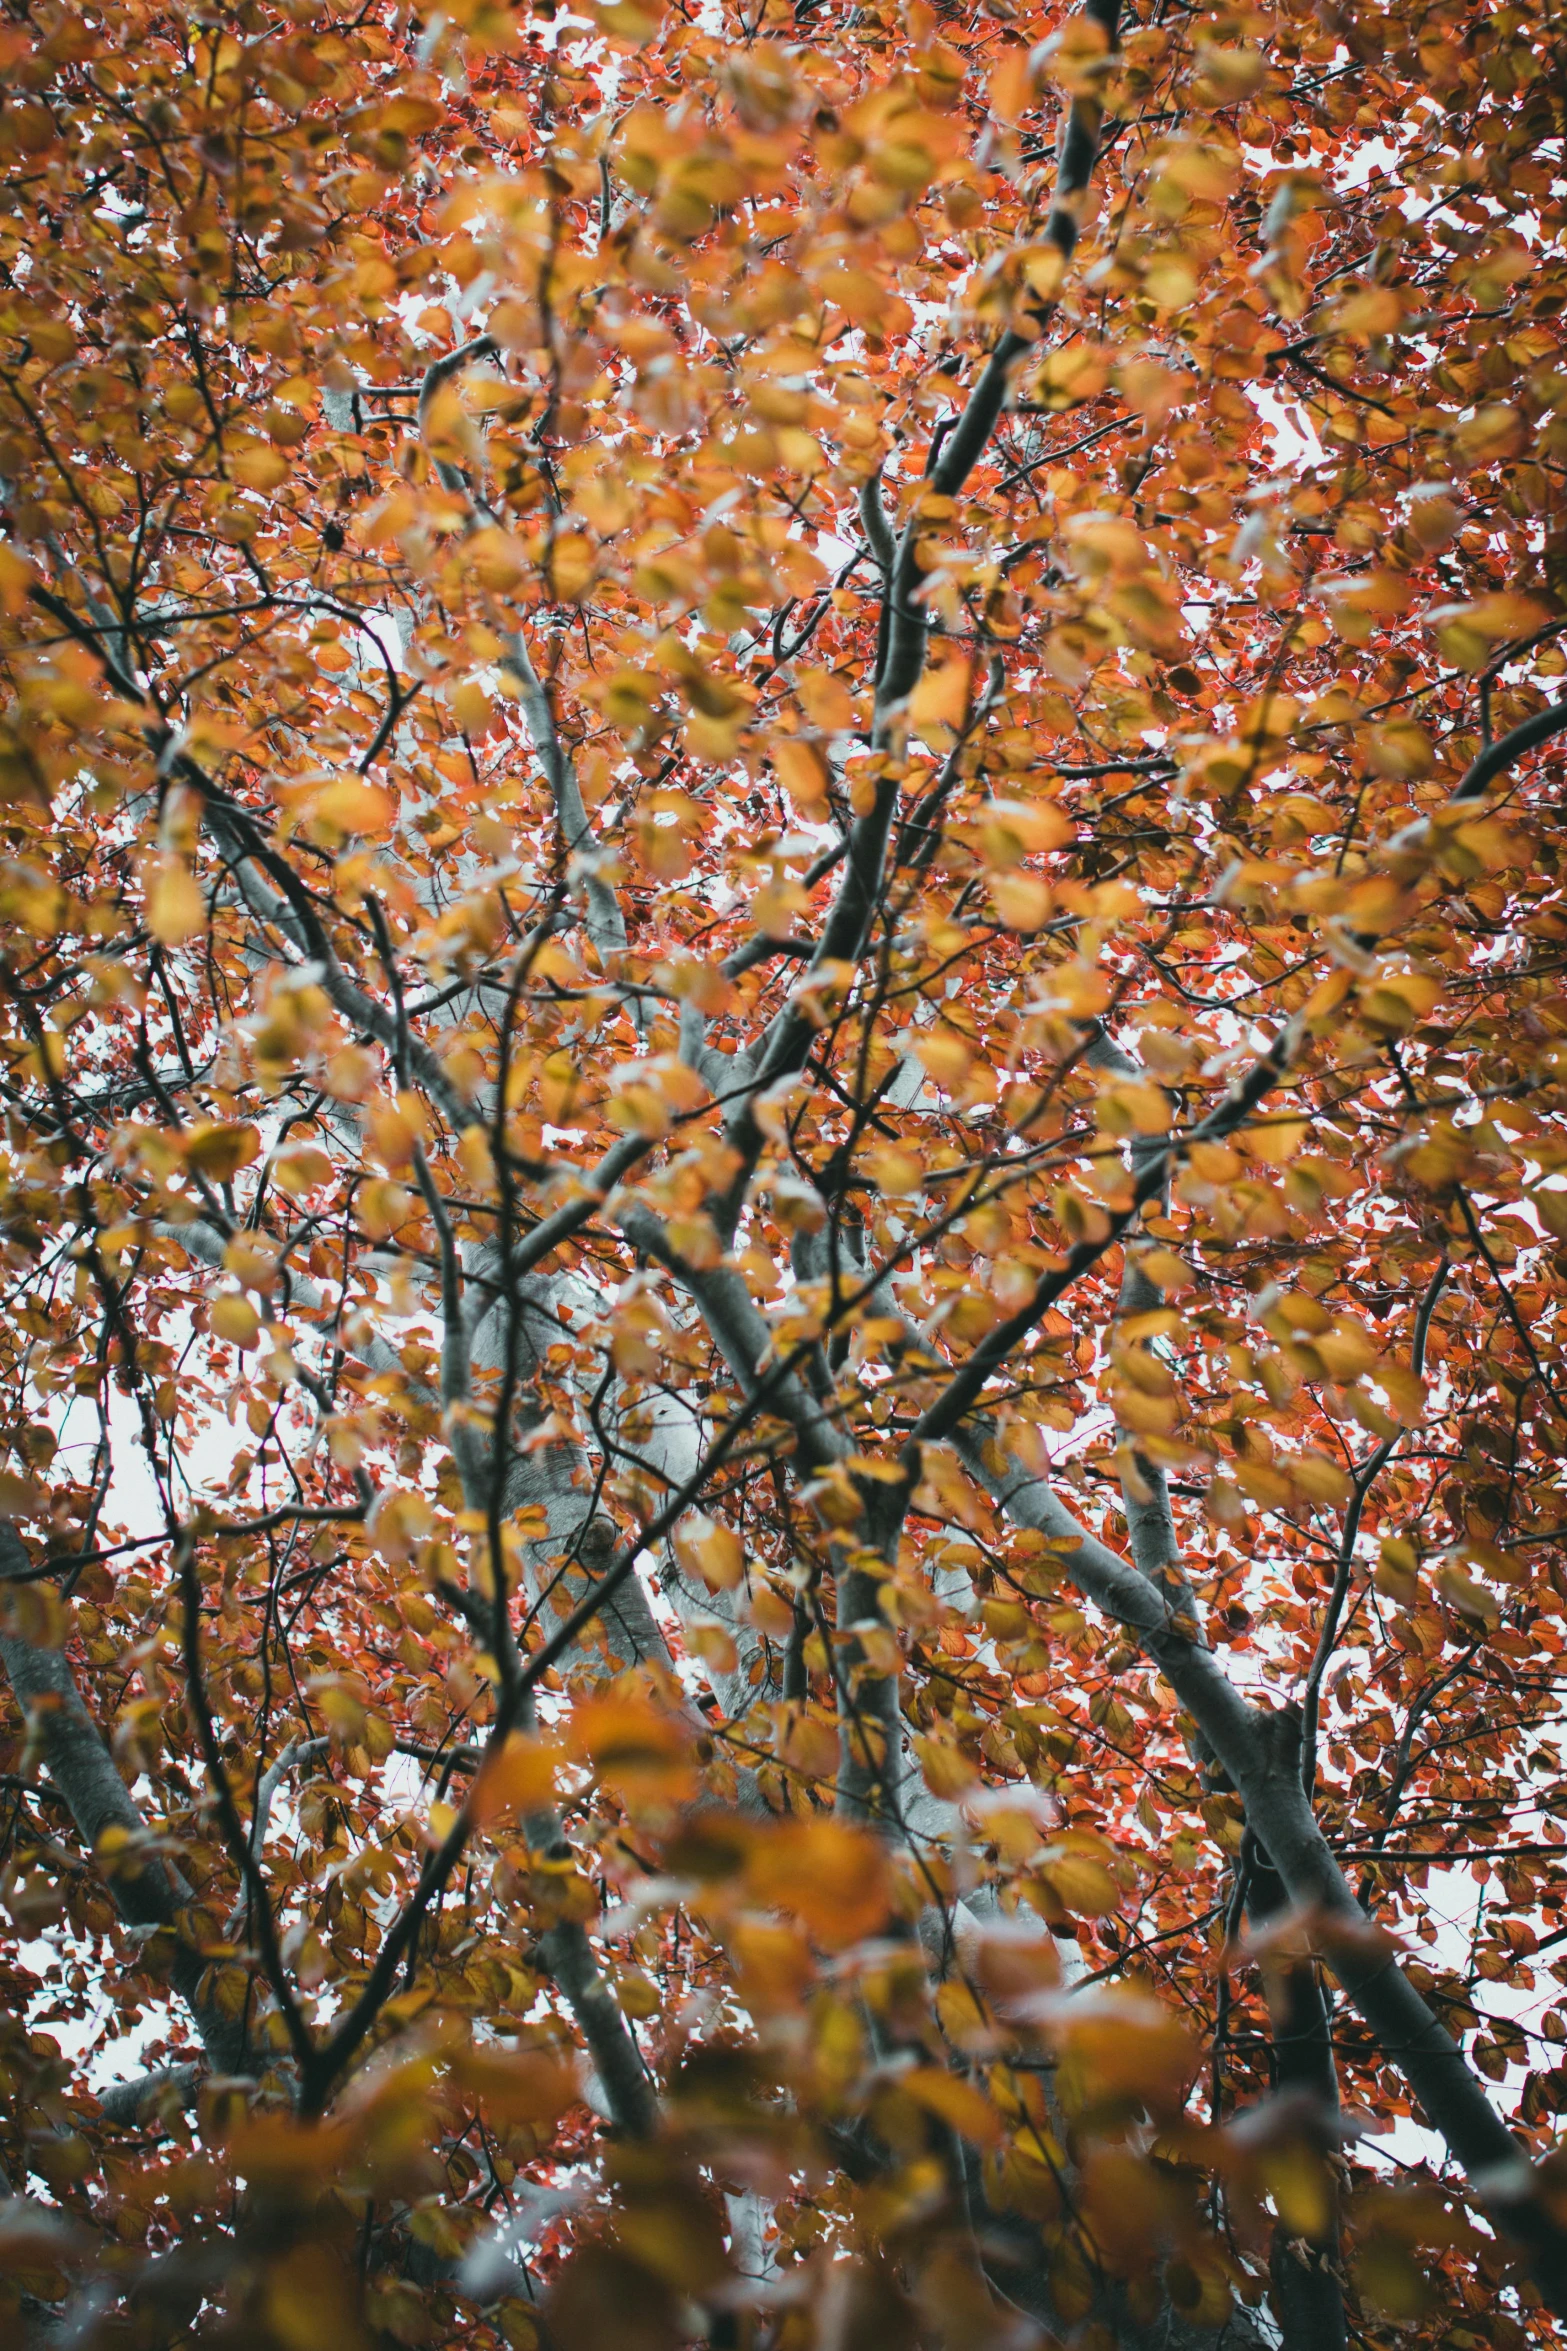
(1261, 1755)
(148, 1892)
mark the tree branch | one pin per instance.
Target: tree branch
(1499, 756)
(147, 1892)
(1261, 1755)
(962, 1391)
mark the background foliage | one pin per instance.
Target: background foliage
(782, 1033)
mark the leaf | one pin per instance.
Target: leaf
(957, 2103)
(219, 1151)
(232, 1316)
(1468, 633)
(831, 1877)
(1400, 749)
(1023, 901)
(1460, 1591)
(17, 578)
(1081, 1882)
(36, 1615)
(176, 907)
(518, 1780)
(941, 699)
(1116, 2044)
(712, 1642)
(770, 1612)
(802, 770)
(711, 1551)
(309, 2302)
(526, 2085)
(259, 467)
(382, 1207)
(634, 1746)
(1320, 1479)
(635, 22)
(301, 1168)
(398, 1520)
(347, 804)
(895, 1171)
(1011, 830)
(946, 1770)
(605, 2300)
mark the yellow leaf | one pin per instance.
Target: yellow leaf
(1320, 1479)
(825, 699)
(350, 805)
(1165, 1268)
(713, 1643)
(302, 1167)
(668, 825)
(35, 1613)
(309, 2306)
(941, 699)
(1401, 750)
(948, 1772)
(231, 1316)
(1022, 900)
(251, 1261)
(954, 2101)
(1082, 1882)
(259, 467)
(1194, 171)
(1170, 281)
(1151, 388)
(770, 1612)
(525, 2086)
(1373, 310)
(810, 1745)
(520, 1779)
(176, 909)
(635, 22)
(712, 1551)
(566, 563)
(1400, 999)
(946, 1056)
(633, 1745)
(1460, 1591)
(381, 1207)
(1397, 1572)
(1011, 830)
(1467, 633)
(496, 559)
(400, 1519)
(1132, 1106)
(1275, 1141)
(1496, 431)
(894, 1169)
(220, 1151)
(1011, 85)
(16, 579)
(1486, 842)
(801, 767)
(834, 1878)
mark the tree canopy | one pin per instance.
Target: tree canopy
(784, 1080)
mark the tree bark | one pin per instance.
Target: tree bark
(77, 1758)
(1261, 1755)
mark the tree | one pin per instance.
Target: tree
(784, 1063)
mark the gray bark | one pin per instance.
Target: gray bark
(1260, 1753)
(153, 1893)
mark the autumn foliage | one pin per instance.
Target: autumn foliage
(783, 1056)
